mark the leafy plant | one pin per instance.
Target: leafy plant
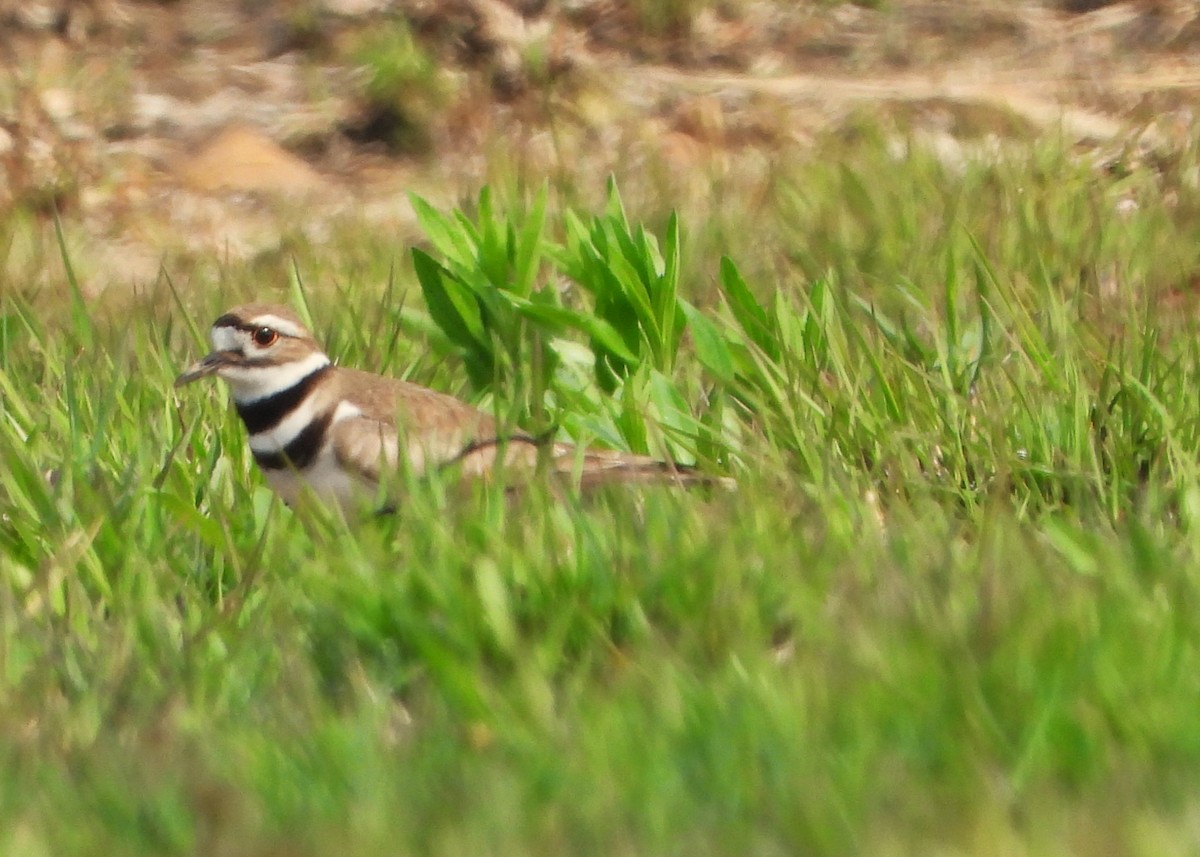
(499, 291)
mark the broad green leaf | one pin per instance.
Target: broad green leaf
(597, 328)
(529, 245)
(816, 340)
(711, 348)
(493, 246)
(446, 234)
(667, 308)
(450, 305)
(673, 412)
(746, 309)
(624, 286)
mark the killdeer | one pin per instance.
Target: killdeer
(317, 427)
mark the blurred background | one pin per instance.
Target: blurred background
(237, 129)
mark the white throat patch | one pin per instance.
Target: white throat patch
(251, 383)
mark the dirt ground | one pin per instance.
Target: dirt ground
(225, 126)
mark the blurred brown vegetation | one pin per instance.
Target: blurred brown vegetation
(197, 124)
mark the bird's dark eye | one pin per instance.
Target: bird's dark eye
(264, 336)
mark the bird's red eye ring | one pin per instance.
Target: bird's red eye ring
(264, 336)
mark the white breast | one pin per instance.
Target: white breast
(325, 478)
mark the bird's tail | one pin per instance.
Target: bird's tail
(589, 468)
(595, 467)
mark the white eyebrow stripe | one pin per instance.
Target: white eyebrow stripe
(282, 325)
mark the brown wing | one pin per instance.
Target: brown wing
(365, 446)
(398, 418)
(435, 430)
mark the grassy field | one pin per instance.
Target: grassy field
(951, 608)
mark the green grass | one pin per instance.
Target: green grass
(950, 609)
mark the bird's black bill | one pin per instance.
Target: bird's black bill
(203, 368)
